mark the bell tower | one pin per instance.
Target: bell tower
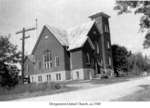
(102, 23)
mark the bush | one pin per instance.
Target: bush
(31, 88)
(57, 86)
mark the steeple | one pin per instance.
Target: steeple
(102, 23)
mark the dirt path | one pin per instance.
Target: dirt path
(96, 94)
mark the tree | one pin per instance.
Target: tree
(120, 60)
(138, 63)
(138, 7)
(8, 56)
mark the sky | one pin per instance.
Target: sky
(16, 14)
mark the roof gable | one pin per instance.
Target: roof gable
(73, 38)
(60, 34)
(77, 36)
(36, 44)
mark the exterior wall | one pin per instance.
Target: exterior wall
(30, 69)
(95, 56)
(73, 61)
(76, 59)
(52, 44)
(84, 74)
(74, 74)
(88, 74)
(34, 78)
(67, 59)
(101, 22)
(108, 51)
(87, 49)
(68, 75)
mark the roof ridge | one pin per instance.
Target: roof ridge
(73, 37)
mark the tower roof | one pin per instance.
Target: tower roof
(99, 14)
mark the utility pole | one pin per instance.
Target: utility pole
(23, 31)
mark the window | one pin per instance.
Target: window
(109, 61)
(48, 77)
(94, 32)
(92, 61)
(97, 48)
(106, 29)
(108, 45)
(77, 73)
(39, 65)
(87, 58)
(46, 36)
(27, 68)
(47, 59)
(99, 61)
(32, 79)
(58, 76)
(40, 78)
(56, 61)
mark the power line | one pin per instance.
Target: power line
(23, 31)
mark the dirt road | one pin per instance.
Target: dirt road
(96, 94)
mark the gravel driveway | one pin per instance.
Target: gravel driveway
(96, 94)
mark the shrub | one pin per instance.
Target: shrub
(57, 86)
(33, 87)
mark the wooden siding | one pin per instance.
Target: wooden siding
(52, 44)
(30, 69)
(76, 59)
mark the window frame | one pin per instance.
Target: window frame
(58, 76)
(27, 68)
(97, 48)
(47, 59)
(109, 61)
(48, 77)
(106, 28)
(78, 75)
(108, 45)
(39, 78)
(39, 65)
(87, 58)
(57, 63)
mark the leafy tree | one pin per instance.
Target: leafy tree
(120, 60)
(8, 56)
(138, 7)
(138, 63)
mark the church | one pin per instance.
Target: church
(79, 53)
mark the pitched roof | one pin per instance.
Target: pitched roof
(31, 58)
(73, 38)
(60, 34)
(78, 35)
(99, 14)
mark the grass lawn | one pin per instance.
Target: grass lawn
(34, 94)
(104, 81)
(142, 95)
(66, 88)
